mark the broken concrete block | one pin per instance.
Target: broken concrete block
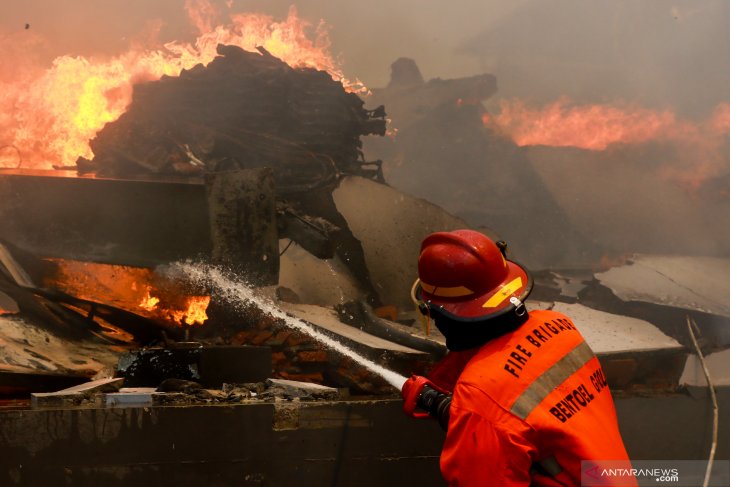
(131, 397)
(312, 280)
(689, 282)
(303, 390)
(76, 395)
(391, 244)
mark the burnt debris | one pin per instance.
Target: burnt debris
(242, 110)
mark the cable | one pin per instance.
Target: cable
(715, 419)
(286, 248)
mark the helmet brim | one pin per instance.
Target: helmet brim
(517, 283)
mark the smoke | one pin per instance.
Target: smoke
(655, 70)
(202, 14)
(657, 54)
(49, 114)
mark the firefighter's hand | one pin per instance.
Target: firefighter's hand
(411, 393)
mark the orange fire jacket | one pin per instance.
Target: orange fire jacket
(527, 408)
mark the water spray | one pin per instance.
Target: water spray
(238, 293)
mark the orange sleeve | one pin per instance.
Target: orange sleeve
(478, 452)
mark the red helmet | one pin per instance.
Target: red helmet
(466, 274)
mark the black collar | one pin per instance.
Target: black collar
(463, 335)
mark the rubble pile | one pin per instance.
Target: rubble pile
(111, 393)
(242, 110)
(442, 151)
(299, 357)
(249, 110)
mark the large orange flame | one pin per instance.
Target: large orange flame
(47, 117)
(134, 289)
(596, 127)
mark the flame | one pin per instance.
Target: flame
(597, 127)
(47, 117)
(195, 313)
(149, 302)
(134, 289)
(592, 127)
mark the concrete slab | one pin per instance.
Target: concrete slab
(324, 282)
(689, 282)
(533, 304)
(634, 354)
(610, 333)
(718, 365)
(112, 384)
(328, 320)
(390, 225)
(354, 443)
(141, 223)
(76, 394)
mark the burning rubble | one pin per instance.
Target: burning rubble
(312, 122)
(246, 131)
(238, 163)
(51, 114)
(211, 133)
(242, 110)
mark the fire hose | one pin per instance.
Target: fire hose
(423, 399)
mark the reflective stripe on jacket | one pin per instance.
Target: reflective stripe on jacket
(527, 408)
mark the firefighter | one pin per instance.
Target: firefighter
(522, 396)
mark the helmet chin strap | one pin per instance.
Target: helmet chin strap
(423, 309)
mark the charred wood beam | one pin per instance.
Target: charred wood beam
(47, 307)
(144, 330)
